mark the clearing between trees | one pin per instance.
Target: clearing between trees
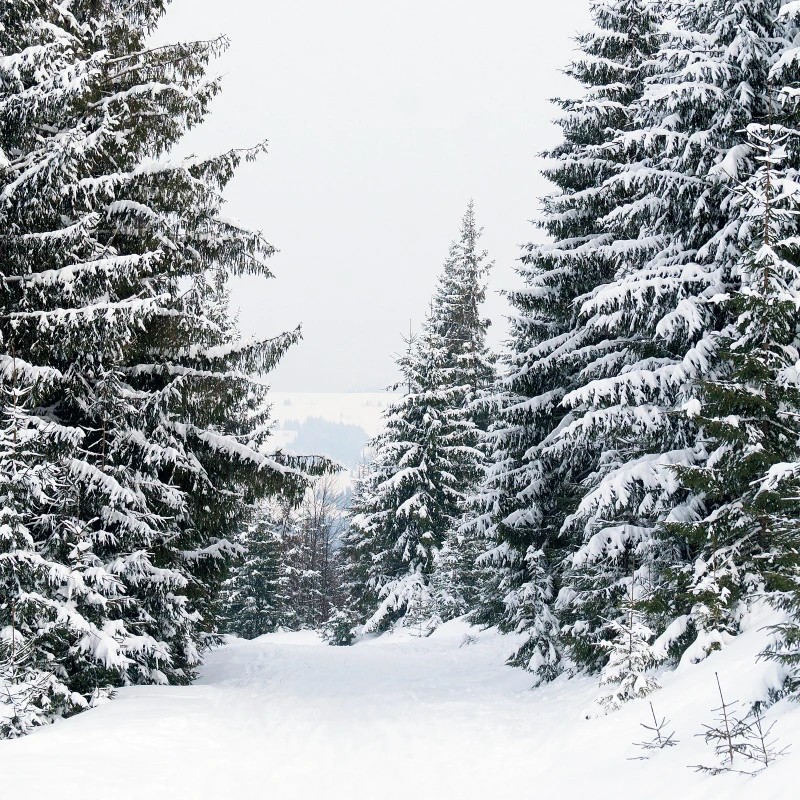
(394, 716)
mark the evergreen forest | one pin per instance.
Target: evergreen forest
(613, 492)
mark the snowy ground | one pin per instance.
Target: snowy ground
(396, 717)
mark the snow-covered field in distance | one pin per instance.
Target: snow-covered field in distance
(398, 717)
(364, 409)
(337, 425)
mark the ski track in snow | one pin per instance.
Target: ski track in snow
(392, 717)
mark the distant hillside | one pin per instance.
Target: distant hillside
(362, 409)
(318, 436)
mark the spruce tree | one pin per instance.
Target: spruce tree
(253, 600)
(749, 414)
(658, 314)
(456, 577)
(115, 259)
(533, 484)
(428, 460)
(456, 334)
(407, 501)
(624, 676)
(50, 586)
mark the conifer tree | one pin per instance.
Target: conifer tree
(455, 331)
(768, 539)
(114, 260)
(624, 676)
(253, 598)
(532, 484)
(750, 414)
(456, 334)
(456, 577)
(658, 314)
(407, 501)
(428, 460)
(42, 565)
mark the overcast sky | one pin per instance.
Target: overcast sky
(383, 119)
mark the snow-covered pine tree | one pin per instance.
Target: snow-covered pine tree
(657, 316)
(50, 587)
(456, 333)
(252, 598)
(457, 576)
(339, 630)
(57, 596)
(747, 544)
(748, 411)
(531, 488)
(114, 260)
(405, 503)
(630, 655)
(428, 459)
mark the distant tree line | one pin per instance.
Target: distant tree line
(290, 576)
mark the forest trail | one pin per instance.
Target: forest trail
(287, 717)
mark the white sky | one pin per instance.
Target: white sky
(383, 119)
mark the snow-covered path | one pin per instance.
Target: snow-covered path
(286, 717)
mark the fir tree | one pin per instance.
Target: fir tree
(406, 502)
(770, 312)
(51, 587)
(456, 335)
(253, 600)
(456, 577)
(428, 460)
(748, 411)
(339, 630)
(630, 656)
(743, 743)
(114, 260)
(660, 738)
(533, 484)
(751, 415)
(658, 315)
